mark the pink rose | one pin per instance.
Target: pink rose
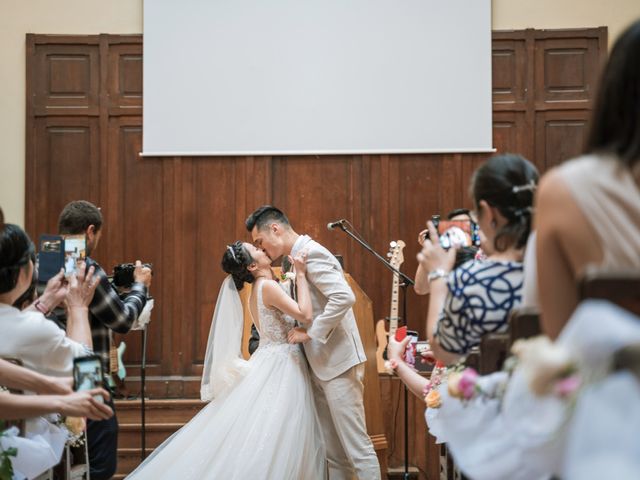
(567, 386)
(467, 383)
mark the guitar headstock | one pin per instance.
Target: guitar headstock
(396, 257)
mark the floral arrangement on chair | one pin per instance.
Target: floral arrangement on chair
(549, 369)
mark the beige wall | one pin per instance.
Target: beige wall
(18, 17)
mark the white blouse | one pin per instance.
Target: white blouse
(39, 343)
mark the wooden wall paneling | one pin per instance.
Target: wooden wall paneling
(560, 135)
(66, 158)
(375, 278)
(510, 133)
(134, 223)
(69, 79)
(510, 70)
(567, 66)
(124, 74)
(212, 198)
(314, 191)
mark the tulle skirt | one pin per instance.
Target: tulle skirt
(266, 427)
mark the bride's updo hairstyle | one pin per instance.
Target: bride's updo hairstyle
(235, 261)
(16, 250)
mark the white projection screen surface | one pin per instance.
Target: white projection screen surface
(276, 77)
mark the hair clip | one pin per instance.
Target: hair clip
(233, 254)
(531, 186)
(522, 211)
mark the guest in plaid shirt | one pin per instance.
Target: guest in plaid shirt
(107, 312)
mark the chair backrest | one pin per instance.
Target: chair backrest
(494, 349)
(621, 288)
(523, 323)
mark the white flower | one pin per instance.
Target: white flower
(290, 276)
(543, 362)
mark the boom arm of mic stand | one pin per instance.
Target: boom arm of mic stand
(366, 246)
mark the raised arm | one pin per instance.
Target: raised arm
(274, 296)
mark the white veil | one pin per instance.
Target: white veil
(223, 362)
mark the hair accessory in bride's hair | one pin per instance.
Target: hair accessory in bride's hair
(531, 186)
(233, 254)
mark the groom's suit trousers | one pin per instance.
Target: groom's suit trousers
(340, 407)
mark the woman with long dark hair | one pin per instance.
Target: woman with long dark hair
(588, 209)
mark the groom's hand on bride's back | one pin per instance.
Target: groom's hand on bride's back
(298, 335)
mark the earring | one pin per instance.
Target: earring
(493, 224)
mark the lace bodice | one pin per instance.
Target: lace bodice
(273, 325)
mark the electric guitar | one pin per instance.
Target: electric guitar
(396, 259)
(117, 371)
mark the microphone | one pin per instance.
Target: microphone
(338, 223)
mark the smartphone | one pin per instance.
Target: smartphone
(87, 374)
(60, 251)
(410, 352)
(462, 233)
(50, 257)
(75, 250)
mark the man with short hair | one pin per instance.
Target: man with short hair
(107, 312)
(332, 346)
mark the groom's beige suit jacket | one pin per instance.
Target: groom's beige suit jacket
(335, 344)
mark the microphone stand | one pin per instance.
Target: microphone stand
(406, 281)
(143, 410)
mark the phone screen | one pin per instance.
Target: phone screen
(87, 374)
(75, 249)
(463, 233)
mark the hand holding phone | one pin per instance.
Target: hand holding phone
(410, 352)
(87, 375)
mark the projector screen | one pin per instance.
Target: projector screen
(253, 77)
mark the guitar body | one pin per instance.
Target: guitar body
(382, 339)
(118, 372)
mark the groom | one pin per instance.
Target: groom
(332, 346)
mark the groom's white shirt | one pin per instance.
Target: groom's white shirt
(335, 344)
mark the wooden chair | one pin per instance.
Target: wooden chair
(494, 349)
(523, 323)
(621, 288)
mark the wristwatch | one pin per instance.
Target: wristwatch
(437, 273)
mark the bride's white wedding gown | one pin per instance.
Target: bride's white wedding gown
(266, 427)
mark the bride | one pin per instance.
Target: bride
(262, 423)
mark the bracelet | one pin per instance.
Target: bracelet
(391, 366)
(40, 307)
(437, 273)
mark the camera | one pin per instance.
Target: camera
(123, 274)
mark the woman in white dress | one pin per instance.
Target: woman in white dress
(262, 422)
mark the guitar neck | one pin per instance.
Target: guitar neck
(393, 315)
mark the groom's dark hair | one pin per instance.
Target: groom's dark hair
(265, 216)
